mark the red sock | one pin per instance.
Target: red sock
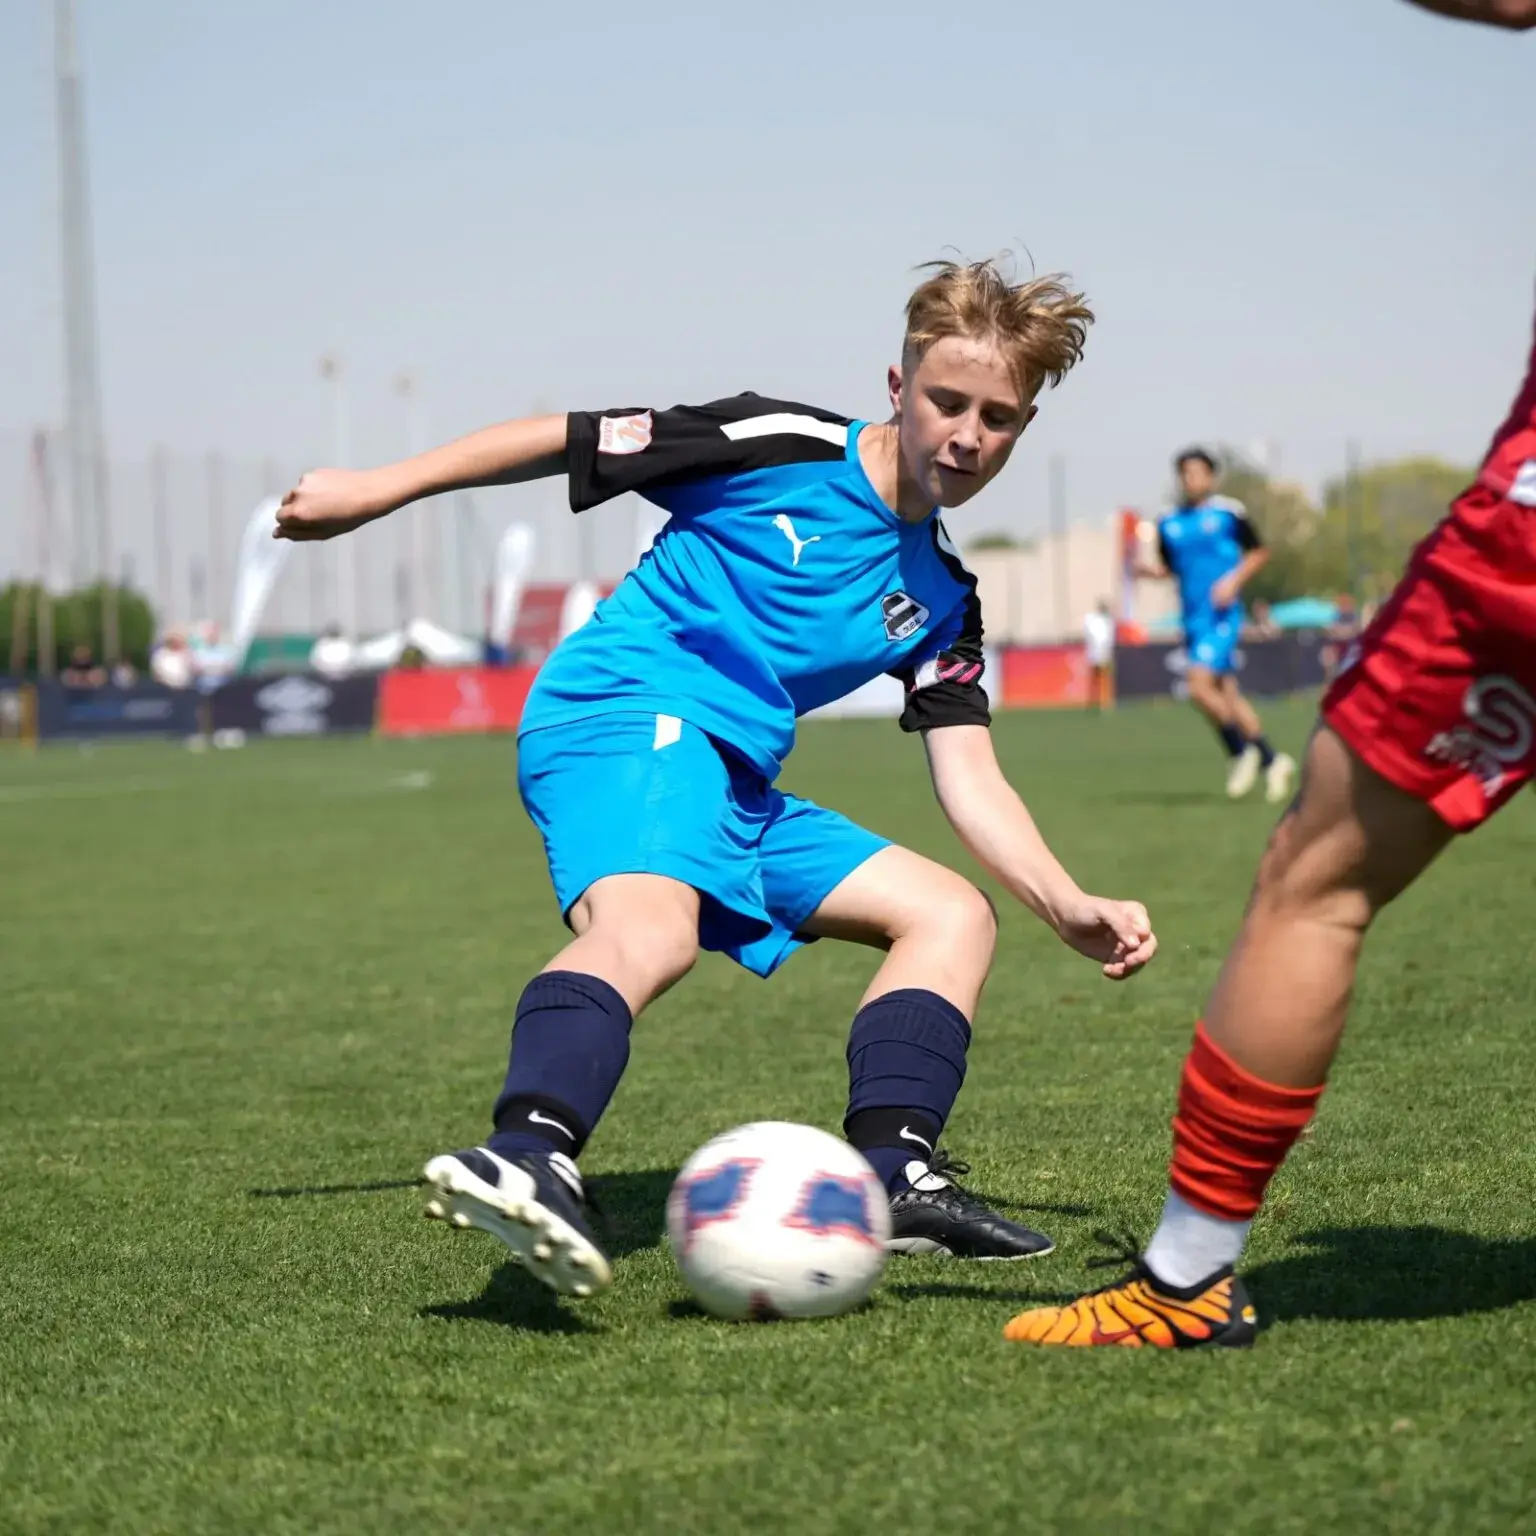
(1232, 1131)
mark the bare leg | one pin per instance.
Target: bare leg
(1239, 711)
(1208, 696)
(639, 933)
(1351, 843)
(937, 929)
(907, 1048)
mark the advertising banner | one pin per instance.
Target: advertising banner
(1043, 677)
(1266, 668)
(297, 704)
(453, 701)
(146, 709)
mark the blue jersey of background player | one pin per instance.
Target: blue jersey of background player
(1209, 546)
(804, 556)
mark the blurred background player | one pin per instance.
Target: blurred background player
(1208, 545)
(1428, 730)
(803, 556)
(1099, 653)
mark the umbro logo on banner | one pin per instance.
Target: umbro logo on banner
(904, 615)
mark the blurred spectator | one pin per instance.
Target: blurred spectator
(124, 674)
(1337, 637)
(1347, 625)
(213, 662)
(1261, 624)
(82, 671)
(171, 663)
(332, 653)
(1099, 651)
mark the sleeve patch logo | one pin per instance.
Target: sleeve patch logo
(624, 434)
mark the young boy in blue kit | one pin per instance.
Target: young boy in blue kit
(803, 557)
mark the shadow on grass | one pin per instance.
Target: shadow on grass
(1033, 1207)
(630, 1208)
(628, 1215)
(949, 1290)
(512, 1298)
(689, 1311)
(1351, 1274)
(295, 1191)
(1166, 797)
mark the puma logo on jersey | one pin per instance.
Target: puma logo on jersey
(796, 543)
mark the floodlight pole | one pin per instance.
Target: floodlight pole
(418, 530)
(1057, 470)
(90, 545)
(349, 578)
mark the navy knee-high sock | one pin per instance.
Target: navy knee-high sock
(906, 1062)
(1232, 739)
(570, 1045)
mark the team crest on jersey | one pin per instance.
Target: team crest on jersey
(903, 615)
(624, 434)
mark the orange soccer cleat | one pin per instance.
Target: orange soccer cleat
(1140, 1310)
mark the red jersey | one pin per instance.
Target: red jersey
(1510, 468)
(1439, 696)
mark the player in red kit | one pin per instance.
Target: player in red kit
(1429, 728)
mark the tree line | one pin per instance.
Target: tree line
(1357, 538)
(33, 622)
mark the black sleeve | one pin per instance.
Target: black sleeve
(945, 687)
(1244, 532)
(1163, 552)
(637, 449)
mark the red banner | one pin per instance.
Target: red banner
(1045, 677)
(430, 702)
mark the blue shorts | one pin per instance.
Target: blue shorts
(651, 794)
(1213, 645)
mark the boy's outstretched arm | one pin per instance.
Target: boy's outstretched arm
(994, 825)
(327, 502)
(1519, 15)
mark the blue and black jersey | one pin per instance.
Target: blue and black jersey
(1199, 545)
(780, 583)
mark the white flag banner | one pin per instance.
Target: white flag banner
(261, 558)
(649, 521)
(514, 559)
(580, 602)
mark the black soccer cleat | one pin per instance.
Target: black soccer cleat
(535, 1205)
(934, 1215)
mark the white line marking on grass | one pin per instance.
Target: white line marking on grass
(414, 781)
(420, 779)
(10, 793)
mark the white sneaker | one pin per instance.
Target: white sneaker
(1244, 772)
(1278, 778)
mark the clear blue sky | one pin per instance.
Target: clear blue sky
(1298, 222)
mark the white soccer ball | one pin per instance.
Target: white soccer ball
(775, 1220)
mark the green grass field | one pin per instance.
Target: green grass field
(243, 996)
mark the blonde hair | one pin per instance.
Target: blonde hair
(1039, 326)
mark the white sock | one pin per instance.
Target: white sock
(1190, 1246)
